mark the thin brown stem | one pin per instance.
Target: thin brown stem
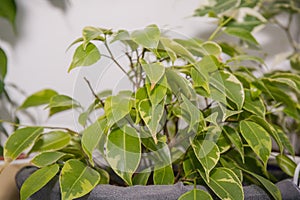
(93, 92)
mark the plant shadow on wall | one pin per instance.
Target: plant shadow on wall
(196, 114)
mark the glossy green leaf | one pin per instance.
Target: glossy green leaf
(8, 10)
(85, 56)
(285, 141)
(258, 139)
(235, 139)
(255, 106)
(47, 158)
(286, 164)
(91, 137)
(141, 178)
(227, 86)
(225, 184)
(124, 152)
(195, 194)
(151, 115)
(3, 64)
(269, 128)
(154, 72)
(190, 165)
(19, 141)
(104, 176)
(39, 98)
(37, 180)
(77, 179)
(228, 113)
(117, 107)
(241, 33)
(52, 141)
(164, 176)
(148, 37)
(208, 154)
(268, 185)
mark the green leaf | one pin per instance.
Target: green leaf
(208, 154)
(77, 179)
(141, 178)
(124, 36)
(190, 165)
(295, 61)
(255, 106)
(246, 58)
(163, 176)
(91, 33)
(285, 141)
(117, 107)
(235, 139)
(19, 141)
(154, 72)
(270, 129)
(286, 164)
(8, 10)
(62, 101)
(223, 86)
(157, 92)
(151, 115)
(39, 98)
(52, 141)
(47, 158)
(191, 114)
(211, 48)
(148, 37)
(268, 185)
(85, 56)
(124, 152)
(241, 33)
(225, 184)
(257, 138)
(175, 49)
(91, 137)
(104, 176)
(37, 180)
(179, 85)
(3, 64)
(218, 7)
(195, 194)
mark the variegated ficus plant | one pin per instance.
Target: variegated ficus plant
(197, 113)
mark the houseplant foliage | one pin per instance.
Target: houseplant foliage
(195, 114)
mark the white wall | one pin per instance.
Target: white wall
(37, 54)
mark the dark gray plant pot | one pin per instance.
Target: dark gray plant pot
(288, 190)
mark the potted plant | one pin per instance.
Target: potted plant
(193, 116)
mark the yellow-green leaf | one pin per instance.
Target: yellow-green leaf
(19, 141)
(163, 175)
(39, 98)
(124, 152)
(258, 139)
(85, 56)
(195, 194)
(77, 179)
(37, 180)
(148, 37)
(47, 158)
